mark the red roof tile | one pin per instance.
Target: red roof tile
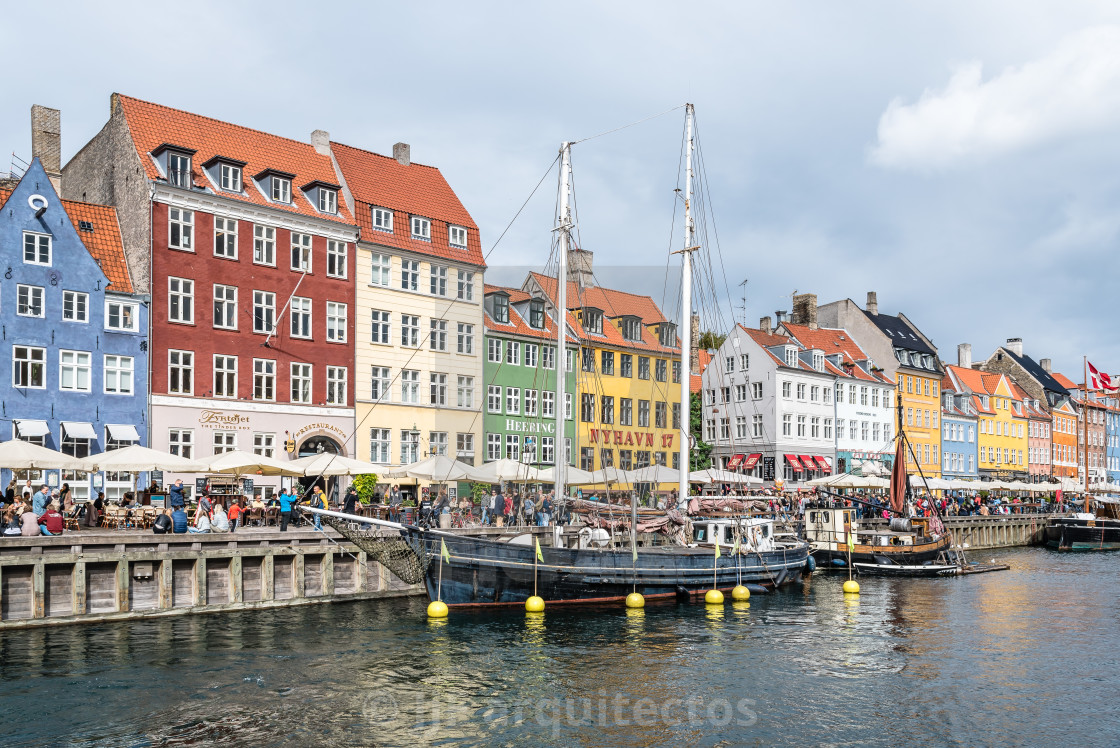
(381, 181)
(517, 324)
(1064, 380)
(152, 125)
(829, 340)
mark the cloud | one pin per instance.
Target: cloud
(1074, 90)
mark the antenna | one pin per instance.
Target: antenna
(743, 300)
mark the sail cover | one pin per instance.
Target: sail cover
(898, 479)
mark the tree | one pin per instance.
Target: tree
(699, 457)
(710, 340)
(365, 486)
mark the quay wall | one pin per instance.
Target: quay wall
(982, 533)
(95, 577)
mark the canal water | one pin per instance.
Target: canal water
(1029, 656)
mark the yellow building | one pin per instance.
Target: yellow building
(627, 399)
(921, 404)
(1002, 424)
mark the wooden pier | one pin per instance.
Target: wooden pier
(983, 533)
(103, 576)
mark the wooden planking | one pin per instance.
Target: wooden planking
(218, 588)
(182, 584)
(143, 590)
(344, 577)
(60, 589)
(251, 578)
(312, 576)
(101, 587)
(283, 582)
(15, 592)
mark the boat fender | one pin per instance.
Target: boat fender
(683, 594)
(781, 577)
(839, 562)
(810, 565)
(757, 589)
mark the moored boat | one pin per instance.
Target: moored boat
(1098, 530)
(905, 541)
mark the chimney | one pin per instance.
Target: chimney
(694, 348)
(46, 142)
(872, 305)
(964, 355)
(580, 263)
(805, 310)
(321, 139)
(764, 324)
(779, 317)
(402, 152)
(1045, 364)
(1015, 345)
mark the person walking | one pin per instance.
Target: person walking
(395, 501)
(350, 503)
(544, 518)
(317, 500)
(488, 506)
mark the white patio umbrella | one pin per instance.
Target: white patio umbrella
(20, 455)
(727, 476)
(436, 468)
(657, 474)
(329, 465)
(506, 470)
(573, 476)
(135, 458)
(612, 475)
(238, 462)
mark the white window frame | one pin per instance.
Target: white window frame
(410, 330)
(328, 201)
(301, 318)
(381, 270)
(410, 275)
(465, 338)
(456, 236)
(184, 294)
(421, 228)
(336, 385)
(180, 442)
(229, 177)
(225, 307)
(75, 363)
(264, 380)
(336, 259)
(37, 241)
(182, 220)
(381, 328)
(464, 392)
(119, 377)
(134, 306)
(301, 252)
(180, 361)
(380, 445)
(224, 441)
(380, 382)
(301, 383)
(264, 443)
(225, 237)
(493, 397)
(264, 245)
(264, 312)
(437, 279)
(77, 303)
(437, 335)
(223, 375)
(29, 298)
(465, 285)
(382, 219)
(437, 389)
(337, 322)
(32, 359)
(410, 386)
(281, 190)
(494, 350)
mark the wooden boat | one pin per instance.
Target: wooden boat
(906, 542)
(1097, 530)
(907, 570)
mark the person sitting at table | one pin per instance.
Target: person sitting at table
(52, 523)
(163, 523)
(201, 522)
(179, 521)
(219, 520)
(30, 522)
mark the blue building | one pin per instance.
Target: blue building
(958, 433)
(1112, 439)
(74, 333)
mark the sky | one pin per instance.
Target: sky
(958, 158)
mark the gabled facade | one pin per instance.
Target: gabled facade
(520, 379)
(247, 250)
(958, 431)
(75, 334)
(1035, 377)
(1094, 454)
(1039, 439)
(1063, 438)
(419, 363)
(1002, 423)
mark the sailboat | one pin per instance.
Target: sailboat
(586, 565)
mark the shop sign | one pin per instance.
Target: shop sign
(220, 419)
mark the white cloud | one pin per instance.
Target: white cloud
(1072, 91)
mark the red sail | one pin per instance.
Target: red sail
(898, 480)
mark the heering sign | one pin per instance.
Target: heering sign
(220, 419)
(530, 427)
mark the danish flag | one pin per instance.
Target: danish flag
(1098, 380)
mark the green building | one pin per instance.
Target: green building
(519, 421)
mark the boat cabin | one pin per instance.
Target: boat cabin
(754, 533)
(827, 529)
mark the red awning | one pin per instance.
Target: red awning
(794, 462)
(751, 461)
(824, 463)
(808, 461)
(734, 462)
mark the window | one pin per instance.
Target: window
(851, 394)
(438, 389)
(410, 387)
(380, 326)
(625, 411)
(756, 390)
(225, 307)
(729, 364)
(336, 259)
(123, 316)
(36, 248)
(379, 383)
(606, 359)
(814, 393)
(787, 425)
(660, 370)
(531, 401)
(875, 397)
(180, 372)
(548, 404)
(301, 383)
(264, 245)
(437, 442)
(660, 415)
(380, 270)
(800, 391)
(336, 322)
(437, 280)
(493, 398)
(383, 219)
(493, 447)
(457, 236)
(75, 306)
(631, 328)
(513, 447)
(676, 415)
(336, 385)
(179, 170)
(281, 189)
(725, 428)
(180, 229)
(464, 392)
(710, 430)
(643, 367)
(587, 408)
(230, 177)
(224, 441)
(181, 442)
(328, 200)
(643, 413)
(676, 372)
(410, 275)
(606, 414)
(464, 448)
(725, 393)
(263, 444)
(29, 301)
(180, 300)
(301, 252)
(225, 238)
(626, 365)
(787, 390)
(421, 229)
(548, 450)
(118, 375)
(301, 317)
(513, 400)
(568, 412)
(587, 458)
(74, 371)
(828, 428)
(264, 379)
(225, 376)
(264, 311)
(548, 357)
(801, 425)
(437, 335)
(593, 321)
(513, 353)
(501, 308)
(494, 350)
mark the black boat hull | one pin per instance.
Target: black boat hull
(487, 573)
(1073, 534)
(832, 559)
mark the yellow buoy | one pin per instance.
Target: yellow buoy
(437, 609)
(534, 604)
(851, 587)
(635, 600)
(713, 597)
(740, 593)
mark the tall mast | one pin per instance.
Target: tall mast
(1085, 430)
(564, 227)
(686, 314)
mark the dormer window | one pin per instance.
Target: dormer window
(536, 314)
(322, 195)
(421, 228)
(631, 328)
(501, 308)
(457, 236)
(281, 190)
(328, 200)
(383, 220)
(984, 400)
(791, 356)
(276, 185)
(818, 360)
(667, 334)
(176, 163)
(230, 177)
(593, 321)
